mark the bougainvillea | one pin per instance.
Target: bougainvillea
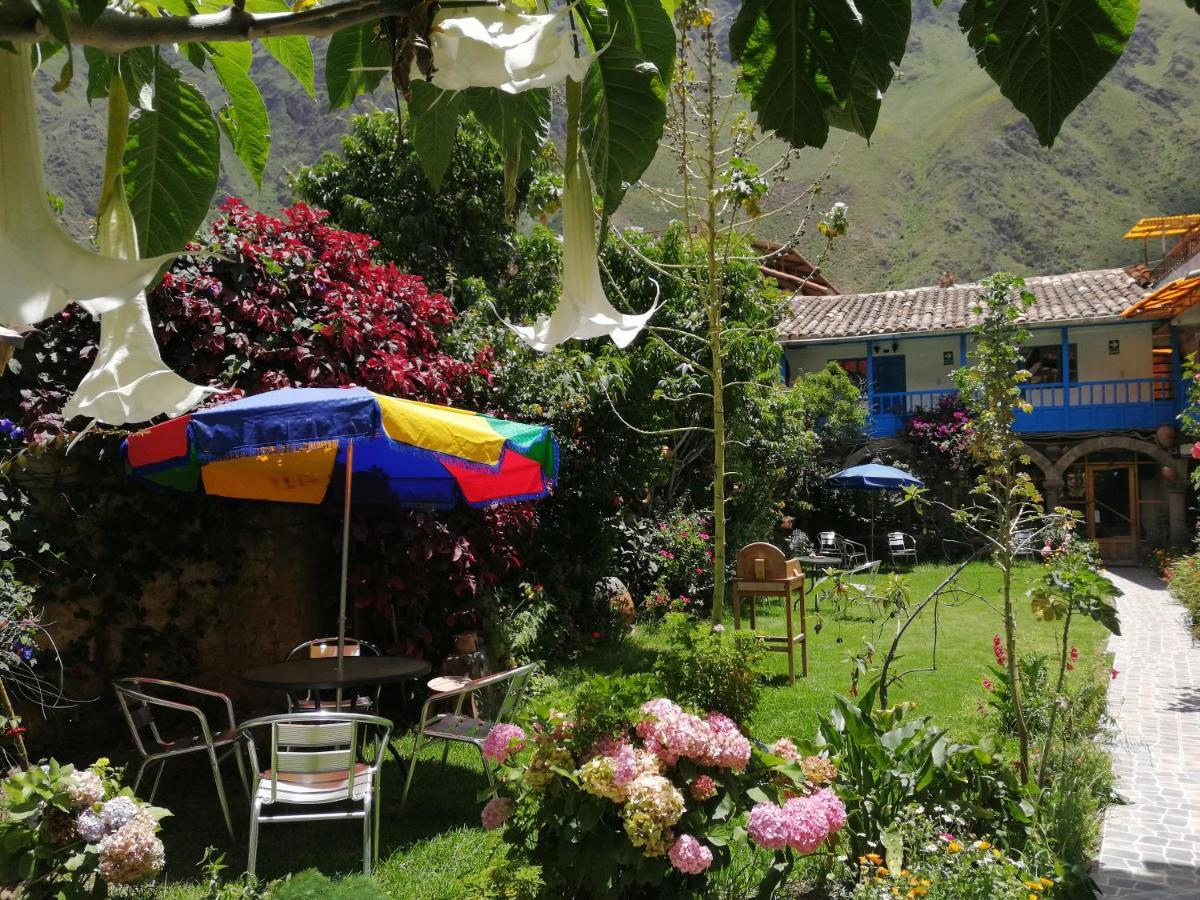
(942, 433)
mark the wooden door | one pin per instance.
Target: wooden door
(1112, 511)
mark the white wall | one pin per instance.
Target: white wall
(925, 369)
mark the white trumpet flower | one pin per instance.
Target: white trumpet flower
(583, 311)
(498, 47)
(41, 268)
(128, 381)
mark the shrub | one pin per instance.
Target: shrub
(506, 880)
(707, 669)
(311, 884)
(70, 833)
(653, 808)
(889, 760)
(604, 705)
(1183, 579)
(668, 561)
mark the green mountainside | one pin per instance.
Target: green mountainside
(953, 180)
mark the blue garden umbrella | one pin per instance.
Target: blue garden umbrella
(873, 477)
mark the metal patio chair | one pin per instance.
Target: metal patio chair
(142, 698)
(1023, 546)
(324, 648)
(319, 759)
(902, 547)
(851, 552)
(454, 727)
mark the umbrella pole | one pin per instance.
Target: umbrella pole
(341, 650)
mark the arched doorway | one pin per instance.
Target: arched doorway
(1129, 493)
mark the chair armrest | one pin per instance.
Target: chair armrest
(196, 711)
(188, 688)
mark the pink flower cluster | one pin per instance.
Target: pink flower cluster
(672, 734)
(704, 788)
(786, 749)
(690, 856)
(496, 812)
(802, 823)
(503, 741)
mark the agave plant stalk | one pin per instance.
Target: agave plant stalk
(43, 268)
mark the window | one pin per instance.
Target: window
(855, 368)
(1045, 363)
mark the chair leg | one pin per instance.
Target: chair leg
(237, 754)
(412, 768)
(368, 841)
(375, 825)
(162, 764)
(216, 770)
(252, 853)
(445, 752)
(487, 770)
(137, 779)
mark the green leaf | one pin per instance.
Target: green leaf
(886, 25)
(295, 54)
(172, 161)
(797, 62)
(100, 72)
(518, 123)
(1047, 55)
(89, 10)
(245, 119)
(625, 92)
(51, 12)
(893, 848)
(433, 116)
(240, 53)
(355, 63)
(137, 69)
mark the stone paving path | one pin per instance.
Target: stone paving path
(1151, 845)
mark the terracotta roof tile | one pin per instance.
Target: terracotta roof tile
(1099, 294)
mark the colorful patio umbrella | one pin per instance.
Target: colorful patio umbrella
(873, 477)
(293, 444)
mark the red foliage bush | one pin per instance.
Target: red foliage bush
(292, 302)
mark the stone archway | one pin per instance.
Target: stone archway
(1039, 459)
(1176, 490)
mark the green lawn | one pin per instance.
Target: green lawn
(429, 846)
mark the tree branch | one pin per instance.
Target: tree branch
(117, 32)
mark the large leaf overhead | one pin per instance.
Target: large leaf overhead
(518, 123)
(172, 161)
(1048, 55)
(433, 116)
(245, 119)
(625, 93)
(885, 35)
(797, 61)
(355, 63)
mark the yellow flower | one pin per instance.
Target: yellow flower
(983, 845)
(875, 858)
(954, 846)
(883, 870)
(1046, 882)
(1033, 885)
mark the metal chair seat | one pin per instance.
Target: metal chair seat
(196, 741)
(319, 787)
(451, 727)
(307, 704)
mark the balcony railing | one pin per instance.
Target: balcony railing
(1079, 406)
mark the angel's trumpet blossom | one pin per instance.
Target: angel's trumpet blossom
(128, 381)
(498, 47)
(41, 268)
(583, 311)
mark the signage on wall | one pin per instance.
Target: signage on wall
(947, 357)
(1114, 347)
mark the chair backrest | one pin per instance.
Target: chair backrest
(316, 744)
(831, 542)
(512, 682)
(321, 648)
(898, 540)
(1024, 541)
(138, 702)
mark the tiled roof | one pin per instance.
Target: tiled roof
(1101, 294)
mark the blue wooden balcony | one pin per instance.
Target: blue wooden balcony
(1075, 406)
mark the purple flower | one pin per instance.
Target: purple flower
(503, 741)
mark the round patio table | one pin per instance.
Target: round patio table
(297, 676)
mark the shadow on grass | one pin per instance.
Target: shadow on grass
(444, 798)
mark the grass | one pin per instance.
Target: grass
(430, 845)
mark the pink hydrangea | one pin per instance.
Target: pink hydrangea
(768, 827)
(806, 824)
(496, 812)
(503, 741)
(689, 855)
(704, 788)
(670, 733)
(833, 807)
(786, 749)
